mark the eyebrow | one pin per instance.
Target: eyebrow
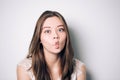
(46, 27)
(50, 27)
(60, 25)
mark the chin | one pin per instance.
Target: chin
(56, 51)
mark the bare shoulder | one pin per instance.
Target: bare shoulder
(22, 74)
(22, 70)
(81, 70)
(82, 76)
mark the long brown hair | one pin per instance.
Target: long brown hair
(39, 66)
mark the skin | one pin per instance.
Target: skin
(53, 38)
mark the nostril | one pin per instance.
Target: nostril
(55, 37)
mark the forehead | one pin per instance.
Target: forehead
(52, 22)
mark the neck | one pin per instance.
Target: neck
(54, 65)
(52, 60)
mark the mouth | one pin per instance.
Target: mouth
(56, 45)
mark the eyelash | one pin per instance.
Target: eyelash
(47, 31)
(60, 30)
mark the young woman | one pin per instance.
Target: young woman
(50, 53)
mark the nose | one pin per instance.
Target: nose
(55, 35)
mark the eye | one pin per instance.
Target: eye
(61, 29)
(47, 31)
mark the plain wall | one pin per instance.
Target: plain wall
(94, 29)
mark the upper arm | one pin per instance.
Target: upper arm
(22, 73)
(82, 76)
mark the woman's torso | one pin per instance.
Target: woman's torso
(26, 64)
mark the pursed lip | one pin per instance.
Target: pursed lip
(56, 44)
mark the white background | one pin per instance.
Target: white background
(94, 29)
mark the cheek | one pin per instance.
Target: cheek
(63, 38)
(45, 39)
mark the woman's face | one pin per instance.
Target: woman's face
(53, 35)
